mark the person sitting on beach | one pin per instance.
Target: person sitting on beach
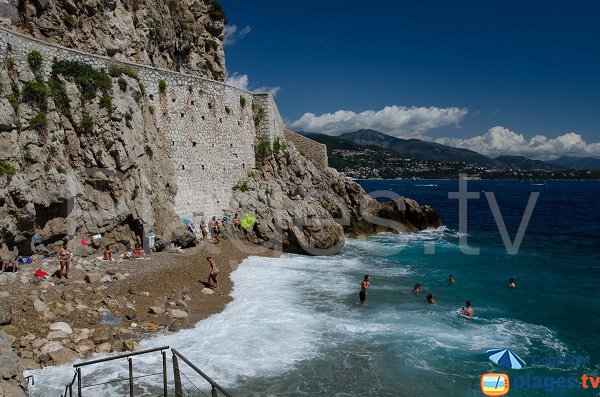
(236, 222)
(511, 283)
(430, 299)
(468, 311)
(176, 248)
(137, 252)
(64, 256)
(451, 279)
(108, 254)
(214, 272)
(10, 266)
(364, 285)
(417, 288)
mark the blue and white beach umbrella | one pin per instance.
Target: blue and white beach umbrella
(505, 358)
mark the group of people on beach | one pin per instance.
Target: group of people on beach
(215, 227)
(466, 310)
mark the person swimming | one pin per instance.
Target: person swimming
(417, 288)
(430, 299)
(364, 285)
(451, 279)
(511, 283)
(468, 311)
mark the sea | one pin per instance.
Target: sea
(296, 327)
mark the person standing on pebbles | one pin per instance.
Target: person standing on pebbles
(64, 256)
(214, 272)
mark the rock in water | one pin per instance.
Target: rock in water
(303, 209)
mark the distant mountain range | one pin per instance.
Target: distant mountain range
(431, 151)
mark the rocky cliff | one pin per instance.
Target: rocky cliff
(303, 209)
(12, 383)
(81, 155)
(182, 35)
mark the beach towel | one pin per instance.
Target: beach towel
(40, 273)
(248, 221)
(84, 242)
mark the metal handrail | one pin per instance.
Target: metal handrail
(126, 355)
(214, 384)
(78, 377)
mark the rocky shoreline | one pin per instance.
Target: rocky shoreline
(110, 306)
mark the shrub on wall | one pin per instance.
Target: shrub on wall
(87, 79)
(86, 124)
(216, 12)
(122, 84)
(116, 70)
(242, 186)
(242, 101)
(69, 21)
(35, 60)
(162, 86)
(7, 169)
(259, 115)
(106, 103)
(278, 146)
(38, 122)
(36, 92)
(263, 150)
(10, 63)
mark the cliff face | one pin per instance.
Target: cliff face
(303, 209)
(81, 156)
(182, 35)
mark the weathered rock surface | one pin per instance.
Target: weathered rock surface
(302, 209)
(12, 382)
(185, 35)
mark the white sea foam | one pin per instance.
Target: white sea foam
(290, 310)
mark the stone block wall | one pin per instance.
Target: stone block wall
(312, 150)
(211, 134)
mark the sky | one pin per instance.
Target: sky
(506, 77)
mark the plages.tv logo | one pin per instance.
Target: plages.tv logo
(495, 384)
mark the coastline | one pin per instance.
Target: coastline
(164, 294)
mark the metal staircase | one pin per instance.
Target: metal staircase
(180, 388)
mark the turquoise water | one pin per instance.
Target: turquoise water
(295, 326)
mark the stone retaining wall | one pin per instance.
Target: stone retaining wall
(312, 150)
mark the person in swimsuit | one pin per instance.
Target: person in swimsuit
(417, 288)
(204, 230)
(217, 232)
(468, 311)
(137, 252)
(108, 254)
(214, 272)
(236, 221)
(364, 285)
(511, 283)
(430, 299)
(64, 257)
(10, 266)
(451, 279)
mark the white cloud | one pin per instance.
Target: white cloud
(232, 34)
(500, 140)
(399, 121)
(242, 81)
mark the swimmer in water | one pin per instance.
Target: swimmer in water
(451, 279)
(468, 311)
(511, 283)
(430, 299)
(417, 288)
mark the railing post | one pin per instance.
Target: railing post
(79, 382)
(177, 376)
(130, 376)
(214, 392)
(164, 358)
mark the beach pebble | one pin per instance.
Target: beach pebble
(106, 279)
(92, 277)
(3, 279)
(176, 313)
(40, 306)
(5, 317)
(57, 335)
(145, 293)
(24, 279)
(85, 346)
(156, 310)
(207, 291)
(130, 345)
(63, 356)
(36, 344)
(61, 326)
(104, 348)
(4, 294)
(51, 347)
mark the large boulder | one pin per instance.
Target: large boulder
(12, 382)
